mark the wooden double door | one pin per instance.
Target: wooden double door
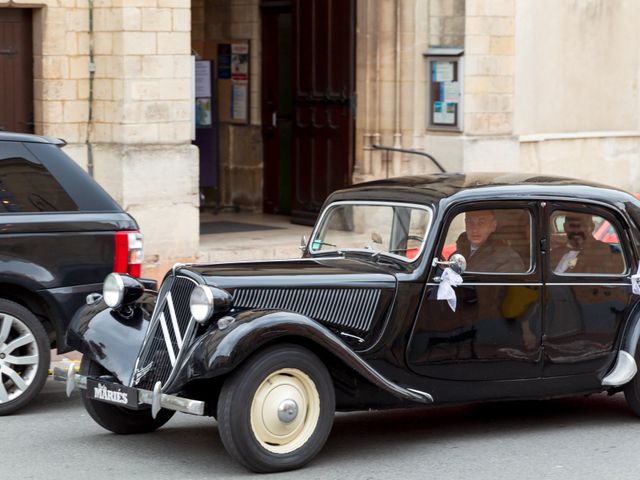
(16, 70)
(308, 103)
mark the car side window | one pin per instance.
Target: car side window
(582, 243)
(491, 241)
(26, 186)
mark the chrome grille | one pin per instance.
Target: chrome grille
(353, 308)
(169, 329)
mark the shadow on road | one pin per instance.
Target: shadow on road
(362, 432)
(191, 444)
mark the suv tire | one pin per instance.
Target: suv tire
(24, 356)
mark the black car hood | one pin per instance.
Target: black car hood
(310, 272)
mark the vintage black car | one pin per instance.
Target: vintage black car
(412, 291)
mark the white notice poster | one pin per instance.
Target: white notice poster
(444, 72)
(203, 78)
(451, 92)
(444, 113)
(239, 102)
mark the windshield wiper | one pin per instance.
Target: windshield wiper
(379, 255)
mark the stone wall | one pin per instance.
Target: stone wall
(608, 157)
(578, 70)
(489, 67)
(447, 22)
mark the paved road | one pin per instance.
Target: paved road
(579, 438)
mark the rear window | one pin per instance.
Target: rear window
(26, 186)
(83, 190)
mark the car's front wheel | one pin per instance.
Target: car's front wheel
(275, 413)
(24, 356)
(119, 419)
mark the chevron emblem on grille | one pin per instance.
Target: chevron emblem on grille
(169, 331)
(174, 327)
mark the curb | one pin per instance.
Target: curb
(64, 365)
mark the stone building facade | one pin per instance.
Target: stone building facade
(547, 87)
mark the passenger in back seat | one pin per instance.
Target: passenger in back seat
(582, 253)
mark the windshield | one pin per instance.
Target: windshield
(396, 229)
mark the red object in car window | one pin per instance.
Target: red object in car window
(412, 253)
(448, 250)
(606, 233)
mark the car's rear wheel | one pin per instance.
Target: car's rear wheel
(275, 413)
(119, 419)
(24, 356)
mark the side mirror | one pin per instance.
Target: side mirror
(456, 261)
(303, 243)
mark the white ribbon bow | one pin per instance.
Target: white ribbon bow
(448, 280)
(635, 281)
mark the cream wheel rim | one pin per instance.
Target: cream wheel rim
(285, 410)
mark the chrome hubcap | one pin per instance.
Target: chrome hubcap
(18, 358)
(287, 411)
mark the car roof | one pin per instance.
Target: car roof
(436, 188)
(29, 138)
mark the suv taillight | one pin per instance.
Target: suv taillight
(128, 253)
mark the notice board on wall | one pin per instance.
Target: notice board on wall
(445, 74)
(233, 81)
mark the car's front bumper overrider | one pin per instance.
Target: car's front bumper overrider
(155, 398)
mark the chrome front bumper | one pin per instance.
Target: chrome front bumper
(155, 397)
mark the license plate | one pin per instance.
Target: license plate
(112, 393)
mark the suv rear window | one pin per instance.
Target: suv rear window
(28, 187)
(83, 192)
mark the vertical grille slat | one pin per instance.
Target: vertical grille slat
(338, 312)
(353, 308)
(314, 303)
(154, 356)
(368, 317)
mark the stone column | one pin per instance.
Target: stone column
(140, 131)
(489, 84)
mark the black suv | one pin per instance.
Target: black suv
(60, 235)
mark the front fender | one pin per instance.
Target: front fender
(109, 338)
(219, 352)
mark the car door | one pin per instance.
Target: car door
(495, 331)
(587, 289)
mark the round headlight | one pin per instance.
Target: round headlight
(113, 290)
(201, 303)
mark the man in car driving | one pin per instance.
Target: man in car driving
(483, 252)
